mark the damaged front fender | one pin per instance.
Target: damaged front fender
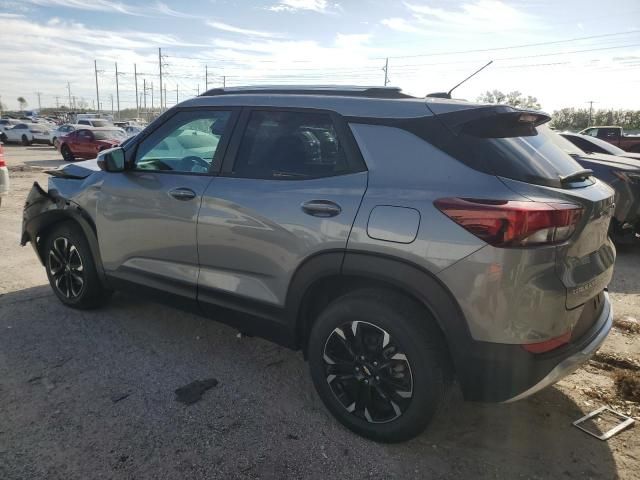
(43, 209)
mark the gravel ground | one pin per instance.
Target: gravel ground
(91, 394)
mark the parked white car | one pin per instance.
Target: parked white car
(95, 122)
(63, 130)
(28, 133)
(132, 130)
(4, 175)
(7, 123)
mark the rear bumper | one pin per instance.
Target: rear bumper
(575, 360)
(495, 372)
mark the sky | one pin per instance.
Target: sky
(566, 53)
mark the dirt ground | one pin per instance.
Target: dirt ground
(91, 394)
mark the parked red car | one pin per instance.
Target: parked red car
(86, 143)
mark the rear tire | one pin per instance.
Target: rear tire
(379, 364)
(3, 138)
(67, 155)
(71, 271)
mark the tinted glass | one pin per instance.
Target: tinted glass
(288, 145)
(188, 142)
(605, 147)
(584, 144)
(108, 134)
(541, 158)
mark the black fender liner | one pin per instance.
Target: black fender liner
(44, 209)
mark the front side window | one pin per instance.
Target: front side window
(188, 143)
(290, 145)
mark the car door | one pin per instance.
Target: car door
(15, 134)
(146, 215)
(290, 187)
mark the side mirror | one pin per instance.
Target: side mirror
(111, 160)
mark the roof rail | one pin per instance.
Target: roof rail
(329, 90)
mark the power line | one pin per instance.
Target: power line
(495, 49)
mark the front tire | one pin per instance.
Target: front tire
(3, 137)
(67, 155)
(71, 269)
(25, 141)
(379, 364)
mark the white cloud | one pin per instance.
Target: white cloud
(480, 16)
(400, 25)
(320, 6)
(91, 5)
(165, 9)
(225, 27)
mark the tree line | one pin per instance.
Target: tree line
(567, 118)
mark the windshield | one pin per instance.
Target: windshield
(99, 123)
(108, 134)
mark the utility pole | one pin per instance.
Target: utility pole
(74, 102)
(69, 90)
(39, 94)
(144, 89)
(206, 78)
(95, 67)
(135, 79)
(385, 69)
(590, 102)
(160, 67)
(117, 91)
(224, 82)
(152, 96)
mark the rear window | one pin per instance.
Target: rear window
(108, 134)
(534, 159)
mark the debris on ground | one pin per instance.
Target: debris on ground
(192, 392)
(628, 385)
(609, 361)
(119, 397)
(603, 423)
(627, 324)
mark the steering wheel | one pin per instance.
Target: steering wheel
(187, 163)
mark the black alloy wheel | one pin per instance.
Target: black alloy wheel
(66, 268)
(368, 372)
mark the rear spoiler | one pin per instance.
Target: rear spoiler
(493, 121)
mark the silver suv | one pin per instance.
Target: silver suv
(399, 242)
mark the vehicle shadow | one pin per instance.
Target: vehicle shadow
(626, 274)
(264, 416)
(44, 163)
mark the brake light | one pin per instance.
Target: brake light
(2, 162)
(548, 345)
(505, 223)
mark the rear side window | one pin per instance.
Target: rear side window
(585, 145)
(533, 159)
(290, 145)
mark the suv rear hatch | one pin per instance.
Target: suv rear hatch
(513, 145)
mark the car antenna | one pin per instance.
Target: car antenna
(448, 94)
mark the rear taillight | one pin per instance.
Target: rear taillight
(505, 223)
(2, 162)
(548, 345)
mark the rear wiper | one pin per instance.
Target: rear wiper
(577, 176)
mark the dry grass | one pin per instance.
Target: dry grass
(628, 385)
(627, 324)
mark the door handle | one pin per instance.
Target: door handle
(321, 208)
(182, 193)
